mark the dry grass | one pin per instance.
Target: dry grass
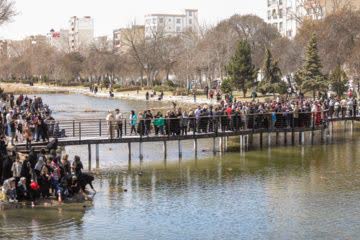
(26, 89)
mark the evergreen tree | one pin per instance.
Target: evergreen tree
(310, 77)
(271, 82)
(338, 80)
(240, 69)
(226, 86)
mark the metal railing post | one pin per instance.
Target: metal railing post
(100, 127)
(73, 128)
(79, 131)
(125, 132)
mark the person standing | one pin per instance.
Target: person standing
(110, 121)
(27, 135)
(119, 123)
(133, 121)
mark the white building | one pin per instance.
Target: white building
(283, 14)
(81, 33)
(59, 39)
(171, 24)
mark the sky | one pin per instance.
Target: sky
(39, 16)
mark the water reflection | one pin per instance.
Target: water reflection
(303, 192)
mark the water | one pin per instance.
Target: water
(307, 192)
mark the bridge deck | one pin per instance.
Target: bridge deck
(84, 139)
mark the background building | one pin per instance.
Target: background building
(283, 14)
(59, 39)
(81, 33)
(122, 37)
(103, 43)
(171, 24)
(287, 15)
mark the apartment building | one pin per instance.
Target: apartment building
(59, 39)
(171, 24)
(286, 15)
(81, 33)
(122, 37)
(283, 14)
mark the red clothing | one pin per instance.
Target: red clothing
(229, 111)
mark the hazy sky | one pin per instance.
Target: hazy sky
(39, 16)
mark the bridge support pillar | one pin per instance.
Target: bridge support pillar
(285, 138)
(241, 143)
(165, 149)
(277, 138)
(195, 147)
(269, 140)
(180, 149)
(89, 157)
(312, 137)
(261, 140)
(214, 146)
(97, 158)
(293, 137)
(250, 140)
(322, 135)
(141, 156)
(226, 143)
(302, 136)
(221, 144)
(129, 148)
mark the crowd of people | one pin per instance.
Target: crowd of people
(42, 175)
(233, 115)
(39, 175)
(26, 119)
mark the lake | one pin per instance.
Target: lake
(302, 192)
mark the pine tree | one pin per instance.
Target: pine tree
(271, 82)
(338, 80)
(240, 69)
(226, 86)
(310, 77)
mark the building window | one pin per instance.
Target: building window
(289, 33)
(178, 29)
(280, 2)
(178, 21)
(269, 15)
(169, 19)
(190, 21)
(190, 14)
(274, 16)
(280, 13)
(280, 27)
(161, 20)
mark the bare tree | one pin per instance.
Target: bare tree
(7, 11)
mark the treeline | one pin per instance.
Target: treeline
(234, 51)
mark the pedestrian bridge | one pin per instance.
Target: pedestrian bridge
(217, 128)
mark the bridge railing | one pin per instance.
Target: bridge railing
(238, 121)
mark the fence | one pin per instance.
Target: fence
(100, 128)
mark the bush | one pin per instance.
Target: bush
(226, 86)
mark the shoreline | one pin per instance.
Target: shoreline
(19, 88)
